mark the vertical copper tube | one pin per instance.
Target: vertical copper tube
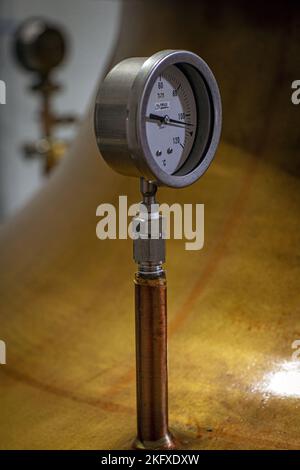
(151, 363)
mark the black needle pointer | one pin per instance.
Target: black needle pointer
(166, 120)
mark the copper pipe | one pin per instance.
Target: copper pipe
(151, 363)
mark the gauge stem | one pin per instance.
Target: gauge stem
(148, 190)
(151, 335)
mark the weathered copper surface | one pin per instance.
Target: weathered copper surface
(151, 363)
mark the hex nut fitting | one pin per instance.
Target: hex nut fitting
(149, 245)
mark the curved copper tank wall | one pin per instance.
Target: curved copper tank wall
(67, 312)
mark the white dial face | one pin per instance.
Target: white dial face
(171, 118)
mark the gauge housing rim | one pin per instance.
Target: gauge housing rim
(136, 125)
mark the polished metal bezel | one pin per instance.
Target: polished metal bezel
(136, 127)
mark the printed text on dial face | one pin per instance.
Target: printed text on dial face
(171, 97)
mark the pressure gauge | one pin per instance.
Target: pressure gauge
(159, 117)
(39, 45)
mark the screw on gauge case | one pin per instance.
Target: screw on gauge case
(159, 119)
(122, 123)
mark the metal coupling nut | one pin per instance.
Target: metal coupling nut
(149, 238)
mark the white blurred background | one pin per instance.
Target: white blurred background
(92, 28)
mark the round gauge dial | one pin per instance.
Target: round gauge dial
(159, 117)
(171, 118)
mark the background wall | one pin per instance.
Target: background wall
(92, 27)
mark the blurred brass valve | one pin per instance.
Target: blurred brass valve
(39, 48)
